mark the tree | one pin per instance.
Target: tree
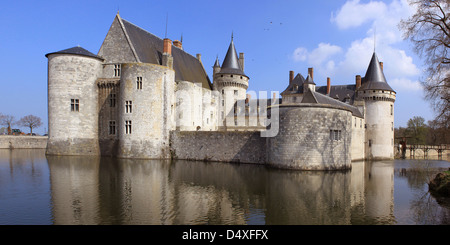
(429, 30)
(417, 129)
(7, 120)
(31, 122)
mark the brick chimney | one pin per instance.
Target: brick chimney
(311, 73)
(291, 76)
(178, 44)
(167, 49)
(167, 59)
(358, 81)
(328, 85)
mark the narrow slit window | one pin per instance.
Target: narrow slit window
(112, 127)
(112, 100)
(117, 70)
(139, 83)
(127, 127)
(128, 106)
(74, 105)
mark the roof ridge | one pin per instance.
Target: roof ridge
(131, 23)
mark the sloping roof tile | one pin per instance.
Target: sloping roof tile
(149, 48)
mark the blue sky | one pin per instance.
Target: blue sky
(336, 38)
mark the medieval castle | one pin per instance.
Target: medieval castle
(145, 97)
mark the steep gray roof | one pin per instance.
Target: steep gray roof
(231, 64)
(318, 98)
(149, 49)
(343, 93)
(298, 80)
(76, 50)
(374, 78)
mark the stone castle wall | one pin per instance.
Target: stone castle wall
(231, 146)
(23, 142)
(311, 137)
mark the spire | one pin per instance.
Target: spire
(217, 64)
(374, 78)
(231, 62)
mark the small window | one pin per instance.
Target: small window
(392, 110)
(117, 70)
(335, 135)
(128, 106)
(74, 105)
(112, 100)
(139, 83)
(112, 127)
(127, 127)
(392, 126)
(235, 92)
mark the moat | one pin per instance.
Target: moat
(44, 190)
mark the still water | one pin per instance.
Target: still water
(39, 189)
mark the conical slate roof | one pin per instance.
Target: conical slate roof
(217, 64)
(231, 64)
(76, 50)
(374, 78)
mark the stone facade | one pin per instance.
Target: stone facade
(145, 97)
(311, 137)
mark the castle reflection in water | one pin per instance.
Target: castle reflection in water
(93, 190)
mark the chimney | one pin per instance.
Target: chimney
(241, 60)
(291, 76)
(358, 81)
(167, 59)
(381, 64)
(248, 98)
(167, 49)
(311, 73)
(199, 57)
(328, 85)
(178, 44)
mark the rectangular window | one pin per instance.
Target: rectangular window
(235, 92)
(112, 127)
(127, 127)
(112, 100)
(74, 105)
(392, 110)
(139, 83)
(117, 70)
(335, 135)
(128, 106)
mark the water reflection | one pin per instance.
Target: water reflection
(93, 190)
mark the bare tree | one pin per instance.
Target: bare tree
(31, 122)
(429, 30)
(7, 120)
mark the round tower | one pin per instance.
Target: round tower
(230, 80)
(73, 102)
(379, 100)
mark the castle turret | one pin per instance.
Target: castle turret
(231, 81)
(379, 100)
(73, 102)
